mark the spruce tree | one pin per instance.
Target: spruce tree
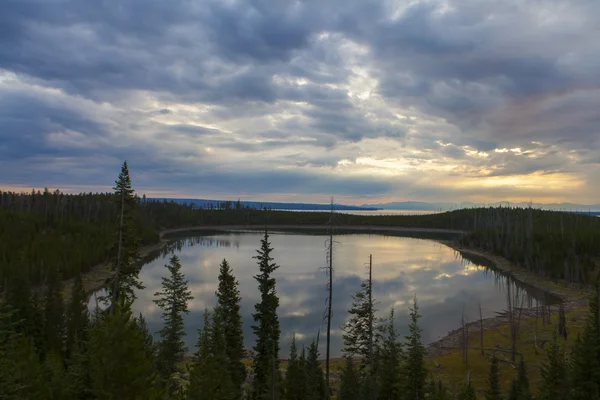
(228, 310)
(316, 388)
(349, 381)
(359, 332)
(467, 392)
(415, 372)
(54, 314)
(118, 360)
(555, 383)
(519, 389)
(77, 317)
(266, 328)
(125, 250)
(209, 377)
(173, 301)
(391, 362)
(585, 360)
(493, 392)
(293, 376)
(21, 375)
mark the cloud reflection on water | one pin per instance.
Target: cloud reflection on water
(402, 268)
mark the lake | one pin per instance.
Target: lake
(403, 267)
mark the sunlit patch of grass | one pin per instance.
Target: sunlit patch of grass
(453, 371)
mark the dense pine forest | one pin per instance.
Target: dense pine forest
(51, 347)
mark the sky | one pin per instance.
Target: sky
(366, 101)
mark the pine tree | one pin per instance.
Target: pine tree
(493, 392)
(585, 360)
(293, 376)
(438, 391)
(520, 386)
(415, 372)
(149, 344)
(118, 360)
(173, 301)
(266, 328)
(126, 248)
(209, 377)
(78, 381)
(54, 314)
(77, 317)
(21, 375)
(555, 384)
(467, 392)
(359, 332)
(228, 310)
(316, 388)
(391, 362)
(349, 381)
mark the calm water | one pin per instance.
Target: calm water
(402, 267)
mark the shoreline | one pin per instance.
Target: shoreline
(565, 292)
(572, 297)
(95, 279)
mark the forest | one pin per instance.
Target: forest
(52, 347)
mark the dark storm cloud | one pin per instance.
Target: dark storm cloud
(311, 76)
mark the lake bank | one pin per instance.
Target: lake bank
(97, 277)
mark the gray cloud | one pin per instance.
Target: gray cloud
(232, 90)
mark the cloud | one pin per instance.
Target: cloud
(392, 99)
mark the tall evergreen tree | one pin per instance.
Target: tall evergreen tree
(585, 360)
(293, 377)
(21, 375)
(467, 392)
(555, 383)
(391, 362)
(493, 392)
(209, 377)
(228, 310)
(77, 317)
(359, 331)
(415, 372)
(126, 248)
(316, 388)
(54, 314)
(172, 299)
(520, 386)
(349, 381)
(266, 328)
(118, 360)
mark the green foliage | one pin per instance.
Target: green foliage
(350, 384)
(316, 389)
(125, 250)
(493, 392)
(118, 360)
(228, 310)
(77, 317)
(555, 384)
(209, 377)
(467, 392)
(294, 377)
(266, 329)
(585, 360)
(21, 374)
(415, 372)
(54, 315)
(173, 301)
(391, 359)
(520, 386)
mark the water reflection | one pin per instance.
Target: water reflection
(442, 279)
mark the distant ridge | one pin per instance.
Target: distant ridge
(426, 206)
(204, 203)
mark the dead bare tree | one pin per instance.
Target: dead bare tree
(480, 328)
(330, 294)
